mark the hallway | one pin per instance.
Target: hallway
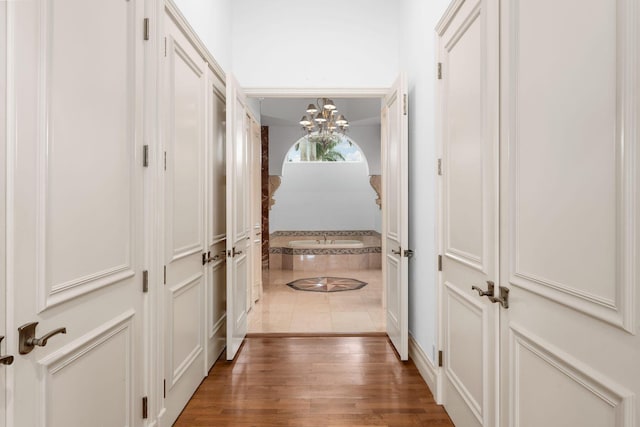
(314, 381)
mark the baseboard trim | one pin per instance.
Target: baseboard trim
(428, 371)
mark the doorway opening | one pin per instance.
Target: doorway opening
(321, 218)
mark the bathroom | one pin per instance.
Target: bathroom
(321, 222)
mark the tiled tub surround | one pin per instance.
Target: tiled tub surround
(323, 256)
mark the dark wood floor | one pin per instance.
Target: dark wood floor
(314, 381)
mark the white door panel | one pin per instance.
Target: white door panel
(184, 237)
(395, 215)
(3, 204)
(216, 219)
(255, 171)
(569, 202)
(74, 206)
(469, 217)
(238, 226)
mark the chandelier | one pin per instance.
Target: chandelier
(323, 120)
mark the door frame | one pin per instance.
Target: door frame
(334, 92)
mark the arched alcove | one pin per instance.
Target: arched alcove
(317, 194)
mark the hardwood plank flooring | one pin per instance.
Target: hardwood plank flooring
(316, 382)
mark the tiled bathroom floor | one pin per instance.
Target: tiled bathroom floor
(285, 310)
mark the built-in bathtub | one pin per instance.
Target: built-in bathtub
(322, 250)
(326, 244)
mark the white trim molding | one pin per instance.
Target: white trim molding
(448, 16)
(300, 92)
(610, 394)
(429, 372)
(183, 24)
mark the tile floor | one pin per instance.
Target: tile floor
(285, 310)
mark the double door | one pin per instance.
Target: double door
(540, 188)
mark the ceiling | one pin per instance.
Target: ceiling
(289, 111)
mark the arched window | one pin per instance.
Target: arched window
(314, 148)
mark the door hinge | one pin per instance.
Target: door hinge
(145, 156)
(145, 281)
(164, 389)
(146, 28)
(145, 408)
(165, 160)
(405, 107)
(165, 275)
(408, 253)
(439, 70)
(439, 166)
(439, 262)
(440, 357)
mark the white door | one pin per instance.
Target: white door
(569, 202)
(74, 212)
(468, 91)
(238, 226)
(395, 215)
(255, 169)
(216, 218)
(184, 129)
(5, 359)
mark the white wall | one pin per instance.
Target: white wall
(211, 20)
(293, 43)
(418, 20)
(282, 138)
(325, 196)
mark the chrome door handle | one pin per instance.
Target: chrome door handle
(398, 252)
(6, 359)
(234, 252)
(503, 299)
(489, 292)
(27, 337)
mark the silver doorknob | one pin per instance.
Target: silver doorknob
(6, 359)
(27, 337)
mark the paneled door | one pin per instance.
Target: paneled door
(184, 128)
(468, 99)
(3, 223)
(216, 218)
(238, 218)
(468, 89)
(570, 219)
(255, 169)
(395, 215)
(74, 213)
